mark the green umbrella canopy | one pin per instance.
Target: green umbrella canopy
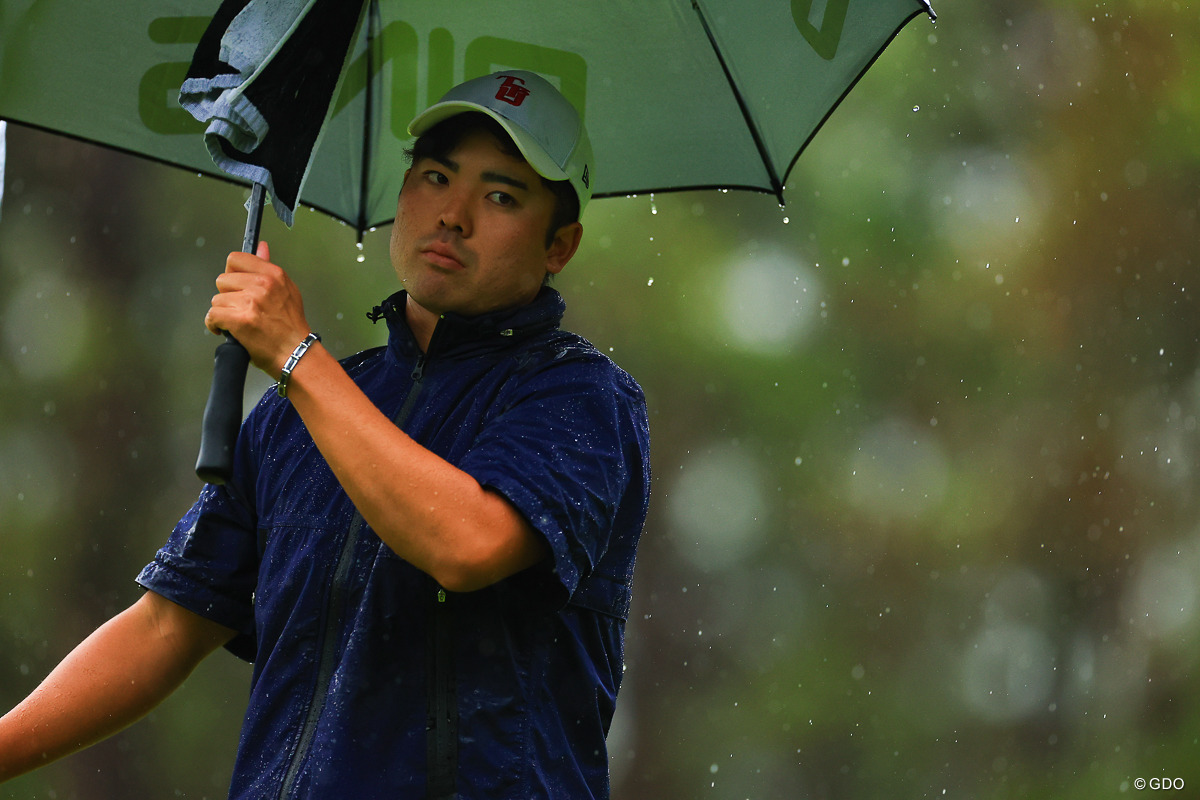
(675, 94)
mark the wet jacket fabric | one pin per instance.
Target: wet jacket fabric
(369, 680)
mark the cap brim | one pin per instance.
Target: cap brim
(534, 153)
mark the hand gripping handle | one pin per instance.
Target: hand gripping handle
(223, 412)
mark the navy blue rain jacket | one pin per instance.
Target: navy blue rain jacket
(369, 680)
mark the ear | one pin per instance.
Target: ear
(562, 248)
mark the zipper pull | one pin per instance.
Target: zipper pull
(441, 595)
(419, 370)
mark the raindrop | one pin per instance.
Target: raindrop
(650, 282)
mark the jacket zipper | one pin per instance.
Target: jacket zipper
(441, 746)
(329, 640)
(336, 606)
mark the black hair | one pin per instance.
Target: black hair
(440, 141)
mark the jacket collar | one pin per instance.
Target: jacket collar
(458, 335)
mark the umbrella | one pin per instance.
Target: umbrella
(676, 94)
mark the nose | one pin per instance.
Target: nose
(455, 214)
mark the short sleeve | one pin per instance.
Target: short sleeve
(569, 451)
(209, 564)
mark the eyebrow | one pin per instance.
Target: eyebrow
(488, 176)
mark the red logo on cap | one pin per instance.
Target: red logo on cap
(512, 91)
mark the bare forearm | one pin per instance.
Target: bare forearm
(113, 678)
(427, 510)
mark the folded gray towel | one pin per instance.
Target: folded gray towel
(263, 77)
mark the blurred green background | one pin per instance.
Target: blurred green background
(925, 518)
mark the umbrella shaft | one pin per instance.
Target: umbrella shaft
(223, 413)
(254, 212)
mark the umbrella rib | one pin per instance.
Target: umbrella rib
(368, 113)
(776, 183)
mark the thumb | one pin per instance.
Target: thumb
(264, 251)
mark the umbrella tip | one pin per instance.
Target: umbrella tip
(929, 10)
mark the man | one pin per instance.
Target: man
(426, 549)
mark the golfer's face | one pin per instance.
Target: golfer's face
(470, 232)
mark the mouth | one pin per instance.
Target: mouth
(443, 256)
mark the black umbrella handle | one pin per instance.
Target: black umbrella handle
(223, 412)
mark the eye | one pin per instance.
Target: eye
(502, 198)
(436, 176)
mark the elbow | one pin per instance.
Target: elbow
(462, 581)
(467, 571)
(484, 563)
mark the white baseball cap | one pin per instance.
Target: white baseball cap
(544, 125)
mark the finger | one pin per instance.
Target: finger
(236, 281)
(211, 323)
(243, 262)
(229, 311)
(250, 262)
